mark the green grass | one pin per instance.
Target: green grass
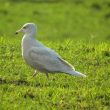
(79, 32)
(83, 20)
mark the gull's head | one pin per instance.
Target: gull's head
(28, 28)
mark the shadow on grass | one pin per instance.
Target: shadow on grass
(35, 1)
(16, 82)
(20, 82)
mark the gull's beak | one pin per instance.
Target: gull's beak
(20, 30)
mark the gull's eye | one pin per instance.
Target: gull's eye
(24, 27)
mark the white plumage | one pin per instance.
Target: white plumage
(40, 57)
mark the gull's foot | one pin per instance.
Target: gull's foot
(47, 75)
(34, 74)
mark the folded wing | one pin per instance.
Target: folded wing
(47, 59)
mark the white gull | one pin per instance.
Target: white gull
(40, 57)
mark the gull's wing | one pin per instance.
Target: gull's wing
(47, 59)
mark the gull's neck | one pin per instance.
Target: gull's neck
(31, 35)
(28, 41)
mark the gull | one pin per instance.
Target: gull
(40, 57)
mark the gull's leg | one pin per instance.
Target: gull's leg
(35, 72)
(47, 75)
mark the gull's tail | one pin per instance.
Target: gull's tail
(76, 73)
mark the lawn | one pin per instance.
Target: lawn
(79, 31)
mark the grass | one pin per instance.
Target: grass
(83, 20)
(79, 32)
